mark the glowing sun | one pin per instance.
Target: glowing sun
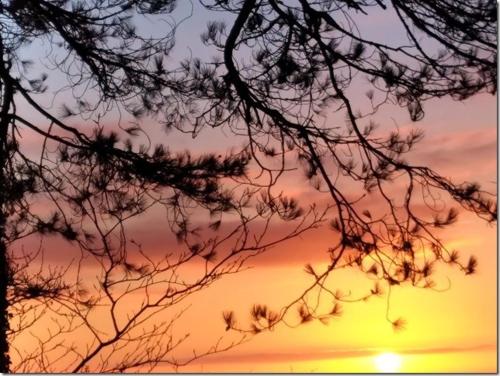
(388, 362)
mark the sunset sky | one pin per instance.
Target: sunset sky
(450, 329)
(453, 330)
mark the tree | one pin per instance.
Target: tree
(84, 184)
(284, 65)
(281, 65)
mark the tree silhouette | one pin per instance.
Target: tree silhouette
(86, 181)
(282, 65)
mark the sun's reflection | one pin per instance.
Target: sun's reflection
(388, 362)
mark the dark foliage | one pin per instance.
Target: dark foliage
(285, 65)
(281, 66)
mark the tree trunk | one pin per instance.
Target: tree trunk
(7, 93)
(4, 283)
(4, 264)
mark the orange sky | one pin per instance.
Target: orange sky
(449, 331)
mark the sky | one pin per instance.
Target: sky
(451, 330)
